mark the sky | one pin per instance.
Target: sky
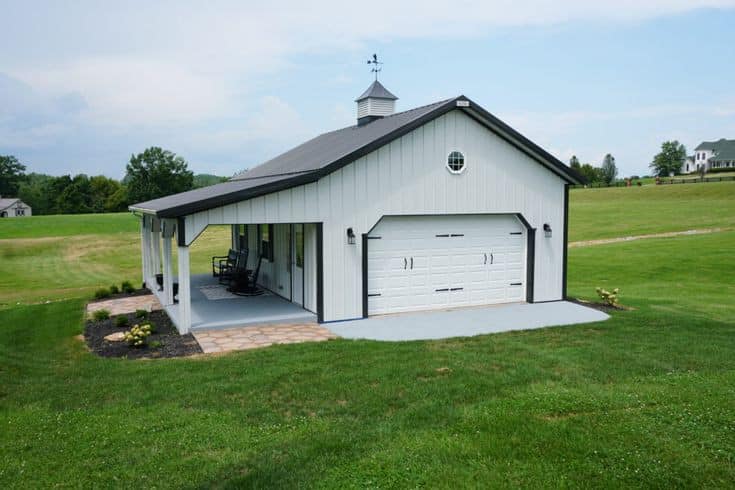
(228, 85)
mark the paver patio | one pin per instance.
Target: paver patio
(130, 304)
(253, 337)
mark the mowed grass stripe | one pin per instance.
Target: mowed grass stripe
(68, 225)
(626, 211)
(52, 268)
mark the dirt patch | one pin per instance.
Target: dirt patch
(604, 241)
(165, 340)
(603, 307)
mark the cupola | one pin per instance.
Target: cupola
(376, 102)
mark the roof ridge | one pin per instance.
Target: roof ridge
(242, 175)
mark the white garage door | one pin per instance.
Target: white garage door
(431, 262)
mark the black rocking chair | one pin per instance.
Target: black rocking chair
(226, 267)
(223, 262)
(244, 282)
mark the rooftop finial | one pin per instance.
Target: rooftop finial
(376, 65)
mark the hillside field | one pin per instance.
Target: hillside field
(645, 399)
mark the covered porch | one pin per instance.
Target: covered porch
(213, 307)
(281, 260)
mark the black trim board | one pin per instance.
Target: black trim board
(530, 264)
(364, 275)
(181, 232)
(566, 244)
(320, 272)
(530, 256)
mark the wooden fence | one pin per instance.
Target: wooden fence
(661, 181)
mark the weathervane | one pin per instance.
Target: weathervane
(376, 65)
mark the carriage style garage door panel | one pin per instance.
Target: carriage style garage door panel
(431, 262)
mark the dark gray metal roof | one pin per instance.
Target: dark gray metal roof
(328, 152)
(329, 147)
(376, 91)
(723, 149)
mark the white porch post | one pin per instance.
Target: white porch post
(184, 290)
(235, 232)
(156, 247)
(145, 248)
(168, 227)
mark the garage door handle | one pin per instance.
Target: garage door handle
(491, 259)
(405, 263)
(411, 263)
(485, 259)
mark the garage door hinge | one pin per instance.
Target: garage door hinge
(456, 289)
(374, 237)
(370, 295)
(516, 233)
(444, 290)
(516, 284)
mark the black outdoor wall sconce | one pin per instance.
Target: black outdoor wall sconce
(547, 230)
(350, 236)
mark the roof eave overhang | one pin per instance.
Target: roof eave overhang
(230, 197)
(522, 143)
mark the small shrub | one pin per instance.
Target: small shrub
(114, 289)
(102, 293)
(141, 314)
(101, 315)
(121, 321)
(155, 344)
(127, 287)
(607, 297)
(138, 335)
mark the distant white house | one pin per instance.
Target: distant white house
(12, 207)
(710, 155)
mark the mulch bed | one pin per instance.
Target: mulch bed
(604, 307)
(172, 344)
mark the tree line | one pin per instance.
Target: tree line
(151, 174)
(604, 174)
(667, 162)
(156, 172)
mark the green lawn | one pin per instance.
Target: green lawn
(53, 268)
(68, 225)
(624, 211)
(645, 399)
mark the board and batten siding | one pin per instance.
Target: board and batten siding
(409, 177)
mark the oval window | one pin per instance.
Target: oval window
(455, 162)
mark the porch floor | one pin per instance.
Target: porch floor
(212, 307)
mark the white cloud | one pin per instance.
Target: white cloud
(121, 91)
(159, 63)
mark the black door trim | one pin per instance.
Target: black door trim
(566, 244)
(320, 272)
(365, 295)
